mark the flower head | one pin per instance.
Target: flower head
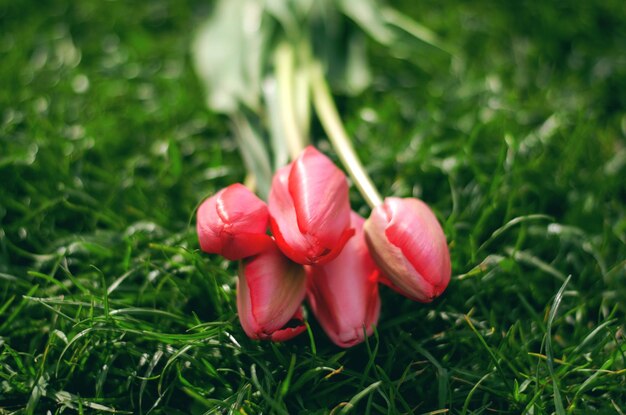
(408, 244)
(309, 209)
(270, 291)
(343, 294)
(233, 223)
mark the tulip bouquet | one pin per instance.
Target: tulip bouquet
(306, 242)
(321, 250)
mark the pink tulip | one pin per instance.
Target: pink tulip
(409, 246)
(309, 209)
(270, 291)
(343, 294)
(233, 223)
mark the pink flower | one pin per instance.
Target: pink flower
(309, 209)
(233, 223)
(270, 291)
(409, 246)
(343, 294)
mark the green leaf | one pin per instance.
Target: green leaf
(228, 53)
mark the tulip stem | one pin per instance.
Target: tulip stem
(329, 117)
(285, 75)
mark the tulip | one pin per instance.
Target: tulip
(309, 209)
(233, 223)
(270, 291)
(408, 244)
(343, 294)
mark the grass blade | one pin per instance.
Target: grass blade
(558, 401)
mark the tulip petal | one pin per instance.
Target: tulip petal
(320, 196)
(241, 209)
(207, 228)
(391, 260)
(233, 223)
(277, 288)
(330, 254)
(244, 308)
(343, 294)
(294, 327)
(244, 244)
(407, 242)
(310, 209)
(414, 229)
(270, 292)
(283, 221)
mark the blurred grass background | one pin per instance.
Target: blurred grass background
(518, 144)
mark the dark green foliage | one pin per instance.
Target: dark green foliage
(518, 143)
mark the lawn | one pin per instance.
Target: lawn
(516, 138)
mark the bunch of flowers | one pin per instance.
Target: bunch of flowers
(318, 248)
(264, 64)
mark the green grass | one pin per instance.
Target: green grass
(106, 148)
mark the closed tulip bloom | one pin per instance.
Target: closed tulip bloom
(408, 244)
(270, 291)
(233, 223)
(309, 209)
(343, 294)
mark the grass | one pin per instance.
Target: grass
(106, 148)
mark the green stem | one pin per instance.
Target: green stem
(329, 117)
(285, 75)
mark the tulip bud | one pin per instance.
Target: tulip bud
(233, 223)
(309, 209)
(409, 246)
(343, 294)
(270, 291)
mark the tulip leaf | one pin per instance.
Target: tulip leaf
(277, 134)
(254, 153)
(228, 54)
(358, 75)
(403, 36)
(416, 30)
(367, 15)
